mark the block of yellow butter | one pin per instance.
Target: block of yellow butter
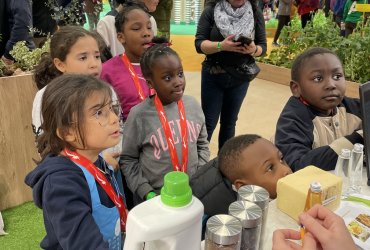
(292, 190)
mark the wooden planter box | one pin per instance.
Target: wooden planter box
(17, 142)
(282, 76)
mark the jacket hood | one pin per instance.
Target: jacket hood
(36, 178)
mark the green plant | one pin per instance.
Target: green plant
(25, 58)
(271, 24)
(353, 51)
(2, 67)
(72, 13)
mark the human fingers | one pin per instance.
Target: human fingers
(281, 239)
(325, 216)
(309, 242)
(332, 234)
(230, 38)
(313, 226)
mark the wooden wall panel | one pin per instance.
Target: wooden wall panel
(17, 147)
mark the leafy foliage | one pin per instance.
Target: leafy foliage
(70, 14)
(353, 51)
(272, 23)
(25, 58)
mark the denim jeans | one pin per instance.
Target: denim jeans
(222, 96)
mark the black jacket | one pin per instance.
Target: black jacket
(306, 138)
(212, 189)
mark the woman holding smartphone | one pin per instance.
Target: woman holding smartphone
(230, 33)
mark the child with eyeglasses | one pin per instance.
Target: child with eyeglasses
(165, 132)
(73, 185)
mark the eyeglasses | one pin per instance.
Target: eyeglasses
(102, 115)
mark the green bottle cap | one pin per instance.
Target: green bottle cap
(176, 191)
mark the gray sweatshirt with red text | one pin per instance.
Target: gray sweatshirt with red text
(145, 156)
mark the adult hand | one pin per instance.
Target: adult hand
(281, 240)
(228, 44)
(250, 49)
(328, 229)
(325, 230)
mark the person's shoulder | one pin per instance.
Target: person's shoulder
(209, 8)
(294, 105)
(40, 93)
(141, 108)
(295, 110)
(206, 178)
(187, 99)
(112, 65)
(114, 60)
(108, 19)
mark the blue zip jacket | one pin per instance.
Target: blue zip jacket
(60, 189)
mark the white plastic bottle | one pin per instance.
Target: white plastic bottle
(171, 221)
(342, 168)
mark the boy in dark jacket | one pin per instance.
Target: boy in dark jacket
(318, 121)
(243, 160)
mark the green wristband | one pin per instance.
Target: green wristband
(150, 195)
(219, 46)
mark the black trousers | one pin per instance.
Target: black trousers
(349, 27)
(282, 21)
(307, 17)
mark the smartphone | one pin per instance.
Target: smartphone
(244, 40)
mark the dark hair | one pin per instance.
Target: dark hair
(229, 154)
(302, 58)
(128, 6)
(105, 53)
(60, 45)
(118, 2)
(62, 104)
(159, 48)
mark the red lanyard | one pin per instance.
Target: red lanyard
(169, 137)
(102, 180)
(134, 77)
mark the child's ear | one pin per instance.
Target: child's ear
(150, 83)
(121, 37)
(295, 89)
(59, 65)
(239, 182)
(69, 135)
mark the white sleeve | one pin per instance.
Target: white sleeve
(36, 111)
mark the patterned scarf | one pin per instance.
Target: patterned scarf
(239, 22)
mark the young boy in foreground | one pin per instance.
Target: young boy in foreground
(243, 160)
